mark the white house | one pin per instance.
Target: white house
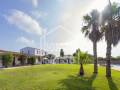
(33, 51)
(30, 51)
(66, 59)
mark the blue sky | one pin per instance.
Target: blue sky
(10, 32)
(48, 24)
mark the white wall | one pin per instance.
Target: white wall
(39, 52)
(33, 51)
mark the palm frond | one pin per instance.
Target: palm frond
(91, 27)
(87, 33)
(84, 28)
(87, 18)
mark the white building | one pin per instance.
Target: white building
(38, 53)
(66, 59)
(33, 51)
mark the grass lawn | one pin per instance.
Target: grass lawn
(57, 77)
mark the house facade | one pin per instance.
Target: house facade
(38, 53)
(33, 51)
(27, 52)
(41, 57)
(66, 59)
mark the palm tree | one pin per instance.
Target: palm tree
(91, 30)
(81, 58)
(110, 26)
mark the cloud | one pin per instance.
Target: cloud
(71, 20)
(35, 3)
(24, 22)
(60, 34)
(39, 14)
(25, 41)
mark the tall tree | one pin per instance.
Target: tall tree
(91, 30)
(110, 26)
(61, 53)
(7, 59)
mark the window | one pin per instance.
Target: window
(38, 52)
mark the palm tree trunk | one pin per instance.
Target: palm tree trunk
(95, 57)
(81, 73)
(108, 60)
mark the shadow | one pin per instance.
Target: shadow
(77, 83)
(112, 85)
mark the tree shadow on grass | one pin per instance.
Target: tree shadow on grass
(112, 85)
(77, 83)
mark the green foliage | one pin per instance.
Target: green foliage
(61, 53)
(91, 26)
(81, 57)
(0, 57)
(31, 60)
(7, 59)
(22, 59)
(118, 57)
(111, 23)
(50, 56)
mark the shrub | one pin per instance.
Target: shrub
(31, 60)
(22, 59)
(7, 59)
(61, 53)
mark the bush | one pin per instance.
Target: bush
(7, 59)
(22, 59)
(31, 60)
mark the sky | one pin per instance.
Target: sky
(49, 25)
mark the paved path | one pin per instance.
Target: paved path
(16, 67)
(116, 68)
